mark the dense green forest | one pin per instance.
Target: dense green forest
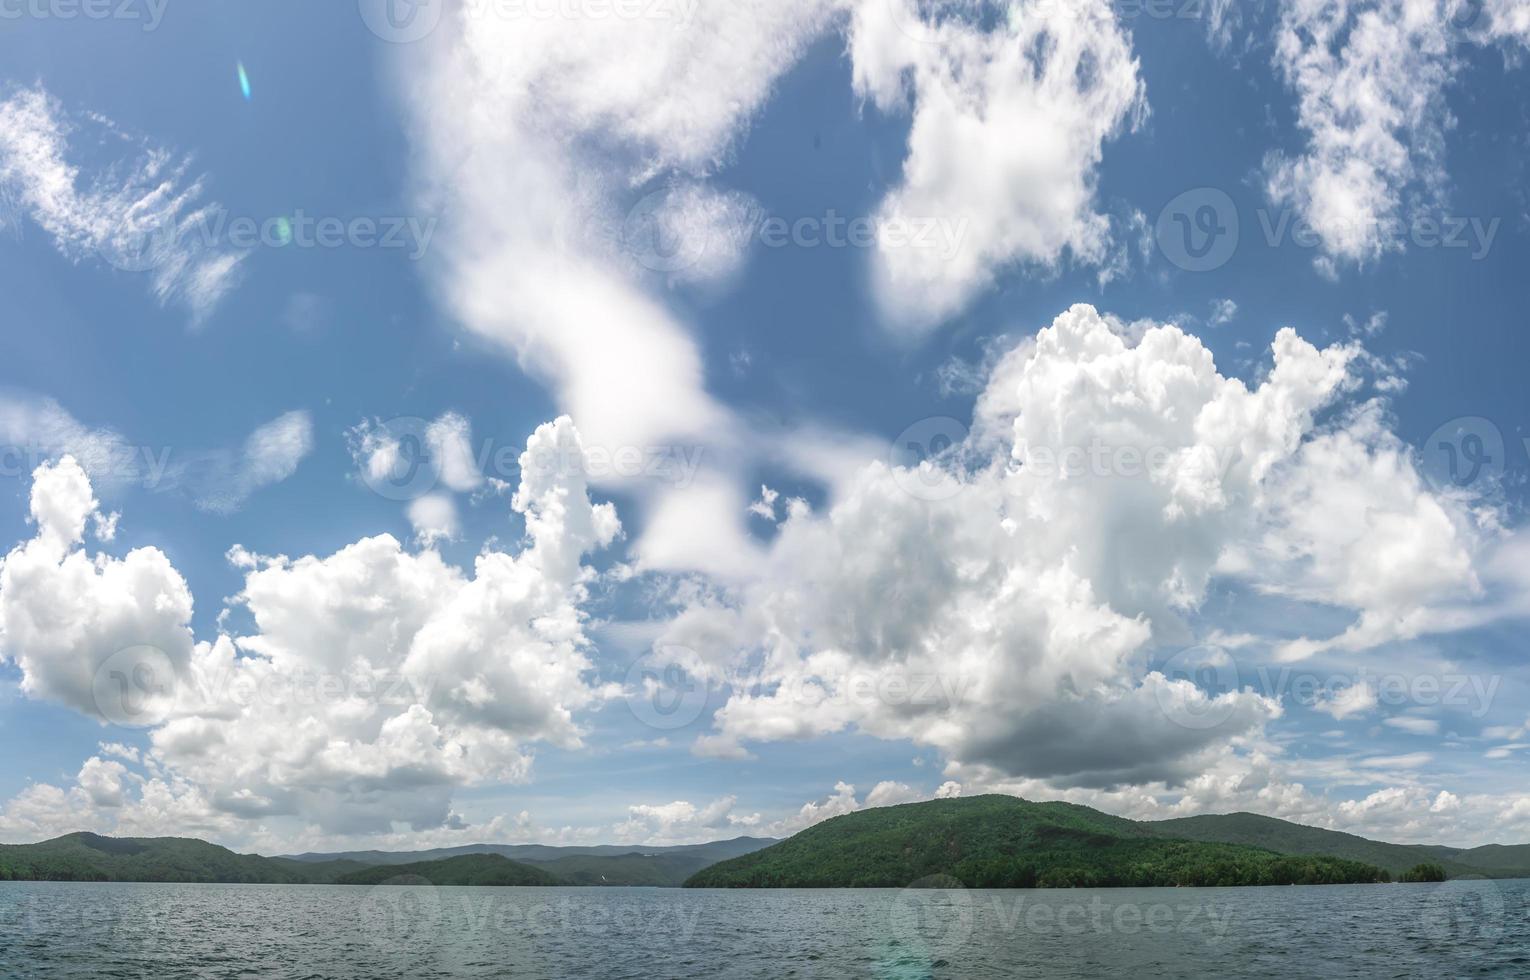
(1424, 872)
(985, 841)
(1005, 842)
(469, 869)
(1251, 829)
(91, 857)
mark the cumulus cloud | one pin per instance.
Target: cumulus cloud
(372, 684)
(140, 214)
(434, 517)
(64, 613)
(682, 822)
(1001, 604)
(1061, 73)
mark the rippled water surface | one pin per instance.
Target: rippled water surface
(1461, 928)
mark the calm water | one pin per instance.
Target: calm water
(1455, 929)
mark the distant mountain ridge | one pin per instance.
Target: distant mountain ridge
(717, 850)
(91, 857)
(1489, 860)
(1096, 839)
(465, 869)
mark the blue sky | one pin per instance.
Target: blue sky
(1373, 164)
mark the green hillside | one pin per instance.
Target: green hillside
(469, 869)
(90, 857)
(1253, 830)
(654, 870)
(708, 853)
(1493, 860)
(1006, 842)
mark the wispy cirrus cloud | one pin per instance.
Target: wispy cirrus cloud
(134, 214)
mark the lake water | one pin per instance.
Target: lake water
(271, 932)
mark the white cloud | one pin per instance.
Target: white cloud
(34, 429)
(374, 681)
(1061, 73)
(1372, 79)
(65, 613)
(140, 214)
(434, 517)
(1414, 725)
(450, 441)
(998, 610)
(222, 482)
(1412, 811)
(682, 822)
(1355, 699)
(593, 181)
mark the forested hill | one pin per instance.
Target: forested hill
(1491, 861)
(1006, 842)
(91, 857)
(468, 869)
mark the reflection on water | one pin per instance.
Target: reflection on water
(47, 929)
